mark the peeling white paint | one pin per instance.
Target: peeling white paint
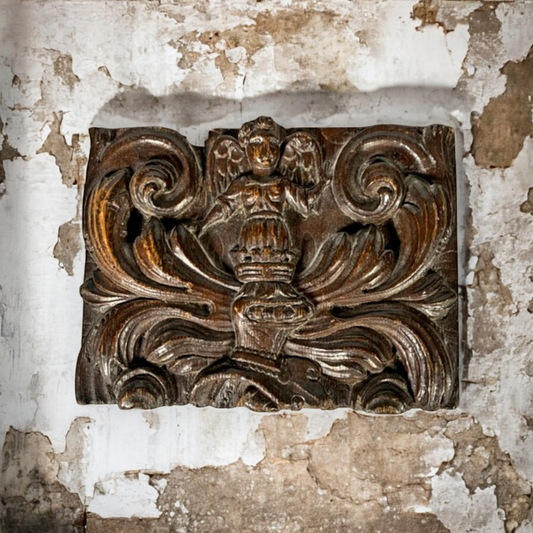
(526, 527)
(500, 407)
(319, 424)
(462, 512)
(439, 450)
(125, 496)
(517, 31)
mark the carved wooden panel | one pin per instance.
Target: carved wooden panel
(271, 269)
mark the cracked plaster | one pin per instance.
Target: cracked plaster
(66, 66)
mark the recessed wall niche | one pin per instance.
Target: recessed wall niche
(273, 268)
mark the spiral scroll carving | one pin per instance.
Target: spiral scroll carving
(158, 189)
(299, 268)
(374, 191)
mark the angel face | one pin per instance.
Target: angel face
(263, 152)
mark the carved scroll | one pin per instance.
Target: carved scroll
(271, 269)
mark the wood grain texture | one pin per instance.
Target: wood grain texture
(271, 269)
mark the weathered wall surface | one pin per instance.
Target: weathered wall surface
(68, 65)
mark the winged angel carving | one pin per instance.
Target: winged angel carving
(274, 269)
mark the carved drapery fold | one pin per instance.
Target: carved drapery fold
(273, 269)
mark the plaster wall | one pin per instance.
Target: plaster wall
(67, 65)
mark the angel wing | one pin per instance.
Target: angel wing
(302, 160)
(226, 161)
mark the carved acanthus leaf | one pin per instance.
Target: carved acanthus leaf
(106, 225)
(302, 268)
(346, 268)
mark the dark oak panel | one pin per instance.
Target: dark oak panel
(271, 269)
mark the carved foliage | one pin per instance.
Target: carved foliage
(273, 269)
